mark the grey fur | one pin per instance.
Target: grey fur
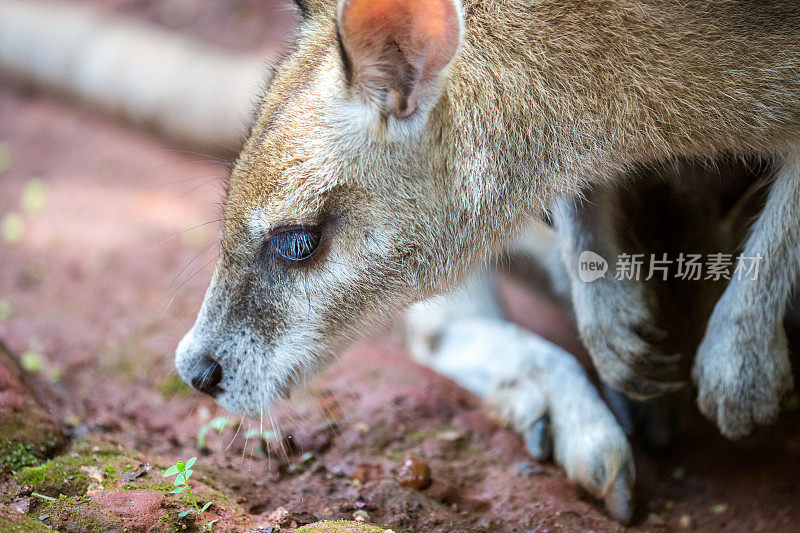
(742, 367)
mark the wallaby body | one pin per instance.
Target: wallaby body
(402, 143)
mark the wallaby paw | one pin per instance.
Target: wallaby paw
(617, 329)
(544, 393)
(634, 384)
(598, 457)
(579, 433)
(741, 375)
(626, 358)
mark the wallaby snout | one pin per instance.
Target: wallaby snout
(207, 376)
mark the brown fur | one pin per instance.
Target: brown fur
(414, 171)
(542, 99)
(548, 95)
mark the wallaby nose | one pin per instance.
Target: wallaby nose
(208, 376)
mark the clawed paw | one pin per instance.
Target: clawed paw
(580, 434)
(617, 328)
(741, 377)
(626, 359)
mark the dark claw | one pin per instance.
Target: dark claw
(642, 389)
(649, 333)
(656, 364)
(619, 500)
(653, 364)
(645, 389)
(538, 439)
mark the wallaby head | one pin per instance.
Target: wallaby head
(328, 199)
(398, 145)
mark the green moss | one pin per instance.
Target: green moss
(18, 456)
(339, 526)
(73, 514)
(11, 521)
(23, 443)
(176, 524)
(173, 386)
(63, 474)
(55, 477)
(63, 479)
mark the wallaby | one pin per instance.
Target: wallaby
(402, 143)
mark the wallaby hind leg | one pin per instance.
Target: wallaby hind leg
(538, 387)
(742, 367)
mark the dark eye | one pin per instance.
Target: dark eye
(295, 244)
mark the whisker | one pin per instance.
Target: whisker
(223, 219)
(278, 435)
(238, 427)
(208, 250)
(246, 437)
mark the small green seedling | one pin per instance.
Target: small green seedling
(182, 472)
(218, 424)
(264, 437)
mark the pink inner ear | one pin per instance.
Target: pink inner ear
(426, 31)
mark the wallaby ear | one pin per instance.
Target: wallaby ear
(395, 52)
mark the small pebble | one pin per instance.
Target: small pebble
(528, 468)
(451, 436)
(656, 520)
(21, 505)
(686, 522)
(414, 474)
(361, 516)
(94, 488)
(719, 508)
(94, 473)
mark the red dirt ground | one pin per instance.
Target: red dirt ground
(97, 286)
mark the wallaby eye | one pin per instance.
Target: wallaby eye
(295, 244)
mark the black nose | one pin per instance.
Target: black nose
(208, 376)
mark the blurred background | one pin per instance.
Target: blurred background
(118, 122)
